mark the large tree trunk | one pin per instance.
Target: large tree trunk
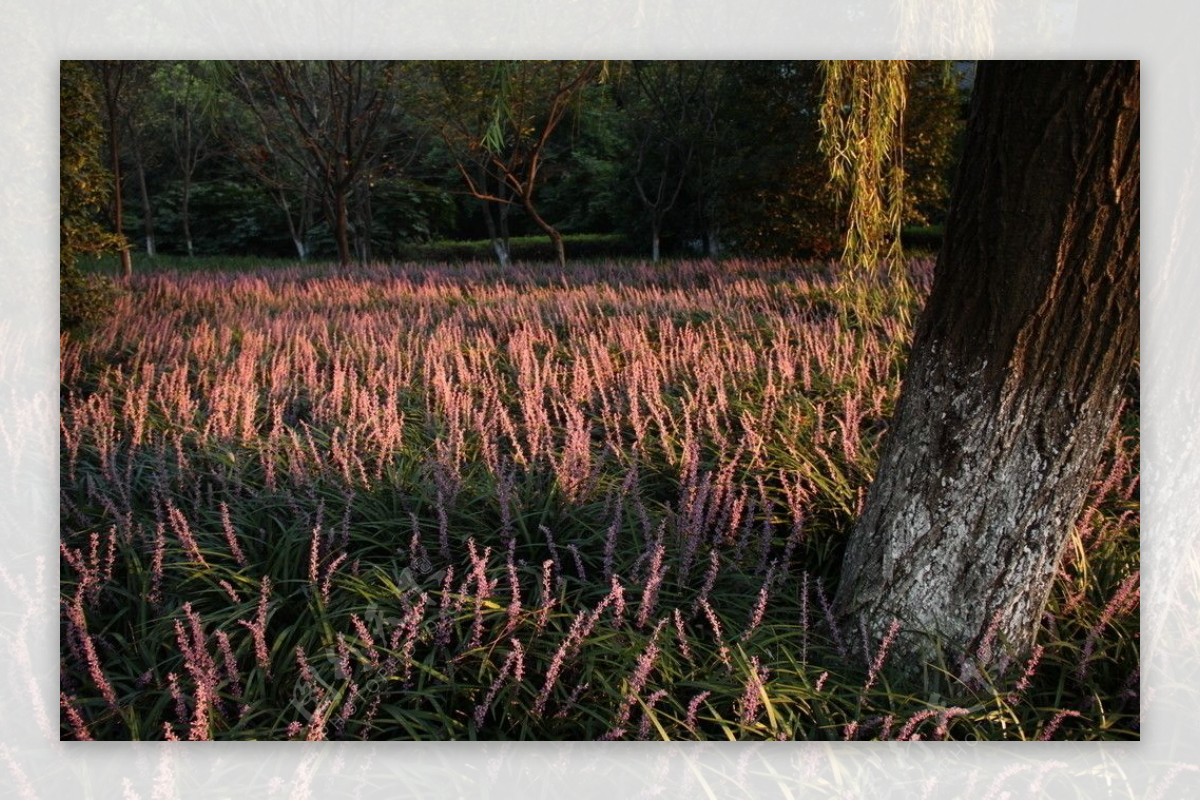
(1017, 367)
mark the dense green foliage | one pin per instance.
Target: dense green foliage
(729, 149)
(430, 502)
(84, 187)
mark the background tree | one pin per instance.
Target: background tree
(526, 102)
(711, 161)
(266, 156)
(1017, 366)
(666, 119)
(775, 186)
(776, 200)
(190, 101)
(332, 120)
(589, 190)
(932, 134)
(114, 81)
(142, 143)
(84, 187)
(457, 104)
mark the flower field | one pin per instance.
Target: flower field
(449, 502)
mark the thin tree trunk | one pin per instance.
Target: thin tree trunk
(501, 253)
(712, 241)
(499, 242)
(189, 154)
(147, 211)
(298, 223)
(111, 75)
(497, 233)
(342, 228)
(293, 230)
(143, 190)
(556, 238)
(504, 237)
(186, 215)
(560, 251)
(362, 226)
(118, 212)
(1018, 366)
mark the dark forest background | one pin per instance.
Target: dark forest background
(412, 159)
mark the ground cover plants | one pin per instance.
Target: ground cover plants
(451, 502)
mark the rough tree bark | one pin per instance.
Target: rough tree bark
(1017, 367)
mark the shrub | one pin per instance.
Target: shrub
(83, 299)
(84, 188)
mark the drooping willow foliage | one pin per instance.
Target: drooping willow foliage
(862, 134)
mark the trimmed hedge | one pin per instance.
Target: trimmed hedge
(922, 237)
(524, 248)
